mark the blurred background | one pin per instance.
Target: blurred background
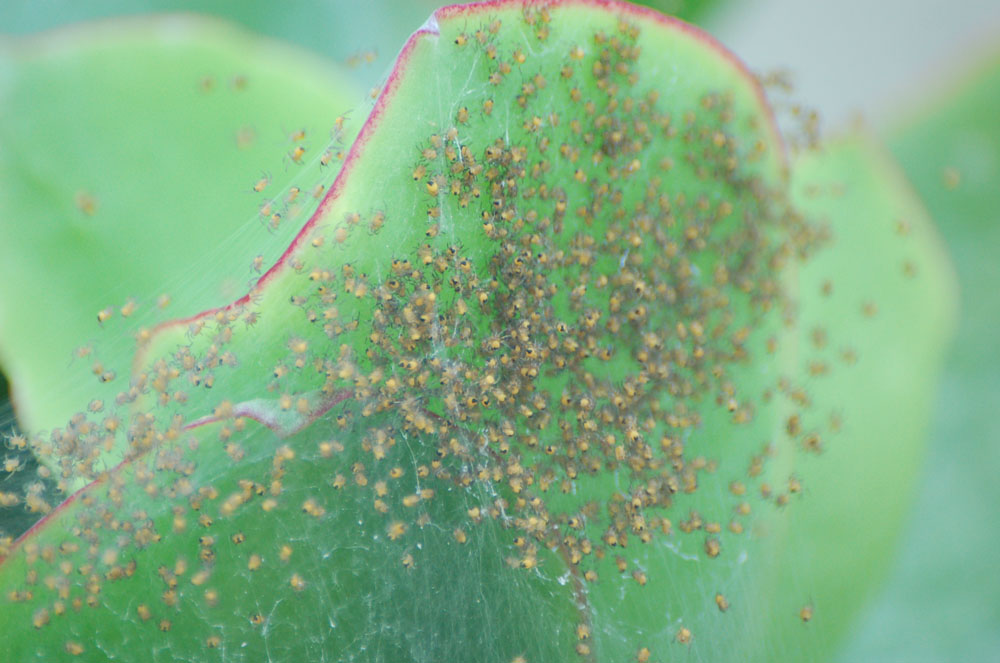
(925, 75)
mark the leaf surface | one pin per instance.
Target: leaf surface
(523, 386)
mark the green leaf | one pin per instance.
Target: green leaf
(884, 293)
(143, 190)
(535, 381)
(940, 603)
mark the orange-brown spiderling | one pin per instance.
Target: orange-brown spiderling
(722, 602)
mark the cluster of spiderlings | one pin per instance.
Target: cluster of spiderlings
(564, 313)
(298, 199)
(800, 125)
(600, 309)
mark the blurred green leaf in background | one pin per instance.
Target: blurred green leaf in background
(943, 601)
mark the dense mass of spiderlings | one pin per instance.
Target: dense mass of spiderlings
(566, 313)
(607, 308)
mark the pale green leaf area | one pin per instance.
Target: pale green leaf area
(560, 371)
(130, 154)
(364, 35)
(941, 603)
